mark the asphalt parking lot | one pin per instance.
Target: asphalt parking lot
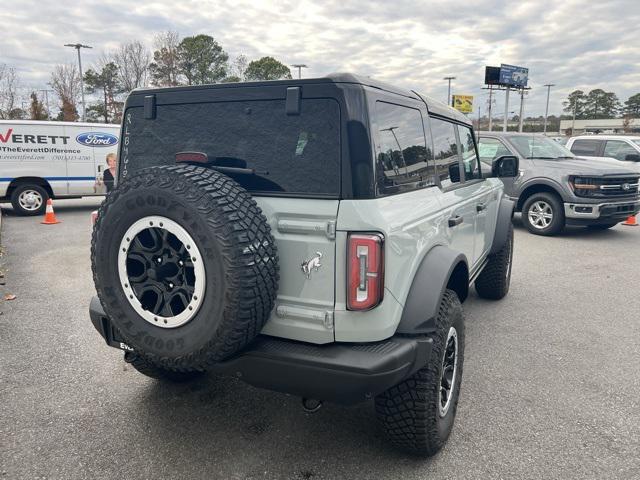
(551, 386)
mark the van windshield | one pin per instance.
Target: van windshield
(291, 154)
(539, 147)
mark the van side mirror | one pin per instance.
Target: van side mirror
(632, 157)
(454, 172)
(506, 166)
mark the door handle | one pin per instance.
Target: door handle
(453, 221)
(480, 207)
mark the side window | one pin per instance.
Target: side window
(586, 147)
(618, 149)
(491, 148)
(468, 152)
(445, 151)
(404, 161)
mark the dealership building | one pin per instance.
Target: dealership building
(604, 125)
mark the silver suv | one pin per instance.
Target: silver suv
(314, 237)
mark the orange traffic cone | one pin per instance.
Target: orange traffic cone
(631, 221)
(49, 216)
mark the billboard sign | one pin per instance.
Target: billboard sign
(492, 75)
(463, 103)
(513, 76)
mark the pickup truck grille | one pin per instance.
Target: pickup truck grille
(605, 187)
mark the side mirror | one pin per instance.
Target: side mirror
(506, 166)
(454, 172)
(632, 157)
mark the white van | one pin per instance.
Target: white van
(41, 160)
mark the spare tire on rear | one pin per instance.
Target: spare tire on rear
(185, 265)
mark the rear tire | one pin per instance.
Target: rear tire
(147, 368)
(494, 280)
(29, 200)
(418, 413)
(543, 214)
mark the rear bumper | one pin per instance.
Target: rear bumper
(598, 212)
(344, 373)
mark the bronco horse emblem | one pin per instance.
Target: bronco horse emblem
(310, 265)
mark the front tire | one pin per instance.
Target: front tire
(29, 200)
(418, 413)
(494, 280)
(543, 214)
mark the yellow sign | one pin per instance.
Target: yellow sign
(463, 103)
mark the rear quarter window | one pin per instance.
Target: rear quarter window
(292, 154)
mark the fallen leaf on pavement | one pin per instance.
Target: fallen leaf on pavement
(9, 296)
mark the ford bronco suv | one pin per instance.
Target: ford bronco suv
(314, 237)
(555, 188)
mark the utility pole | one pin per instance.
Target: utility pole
(546, 112)
(448, 79)
(299, 66)
(490, 106)
(46, 101)
(78, 46)
(506, 109)
(573, 122)
(521, 109)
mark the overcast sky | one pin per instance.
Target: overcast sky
(572, 43)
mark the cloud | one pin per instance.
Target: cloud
(573, 44)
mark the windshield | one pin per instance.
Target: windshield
(539, 147)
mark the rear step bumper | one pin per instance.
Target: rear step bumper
(344, 373)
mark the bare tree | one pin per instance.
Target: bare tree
(65, 81)
(165, 68)
(8, 92)
(133, 60)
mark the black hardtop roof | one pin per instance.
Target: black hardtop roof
(433, 106)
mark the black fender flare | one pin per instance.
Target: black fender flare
(428, 287)
(504, 219)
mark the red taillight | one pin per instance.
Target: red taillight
(365, 271)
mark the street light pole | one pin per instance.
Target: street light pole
(448, 79)
(46, 101)
(300, 66)
(78, 46)
(506, 109)
(546, 112)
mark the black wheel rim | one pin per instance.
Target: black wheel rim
(161, 271)
(448, 372)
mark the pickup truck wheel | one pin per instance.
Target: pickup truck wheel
(418, 413)
(495, 278)
(185, 265)
(153, 371)
(543, 214)
(29, 200)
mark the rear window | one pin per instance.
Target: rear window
(586, 147)
(292, 154)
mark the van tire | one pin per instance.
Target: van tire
(410, 412)
(236, 250)
(38, 193)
